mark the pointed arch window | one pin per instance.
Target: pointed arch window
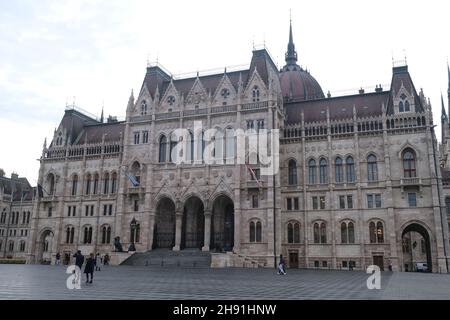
(51, 178)
(172, 144)
(372, 169)
(162, 149)
(106, 183)
(323, 171)
(113, 183)
(96, 179)
(87, 235)
(409, 163)
(292, 176)
(143, 107)
(339, 172)
(70, 232)
(376, 232)
(350, 169)
(88, 183)
(255, 94)
(135, 233)
(74, 185)
(255, 231)
(312, 169)
(229, 144)
(320, 232)
(293, 229)
(347, 232)
(106, 234)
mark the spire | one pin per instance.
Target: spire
(101, 117)
(443, 113)
(291, 54)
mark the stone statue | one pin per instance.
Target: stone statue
(131, 248)
(117, 245)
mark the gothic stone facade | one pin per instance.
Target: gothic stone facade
(356, 173)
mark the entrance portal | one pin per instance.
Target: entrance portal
(416, 248)
(193, 227)
(164, 229)
(222, 224)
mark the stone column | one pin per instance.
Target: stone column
(178, 225)
(207, 230)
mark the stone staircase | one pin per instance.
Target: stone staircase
(187, 258)
(231, 259)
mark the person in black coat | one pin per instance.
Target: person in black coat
(89, 268)
(79, 259)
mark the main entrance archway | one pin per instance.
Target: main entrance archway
(222, 224)
(193, 227)
(416, 247)
(45, 246)
(164, 229)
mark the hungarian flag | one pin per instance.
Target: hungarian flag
(252, 172)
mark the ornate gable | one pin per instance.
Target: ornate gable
(197, 96)
(255, 90)
(225, 93)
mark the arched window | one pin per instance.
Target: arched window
(372, 169)
(292, 176)
(323, 233)
(162, 149)
(401, 107)
(350, 169)
(190, 146)
(87, 235)
(11, 246)
(143, 107)
(255, 231)
(351, 232)
(407, 108)
(312, 171)
(409, 163)
(376, 230)
(106, 183)
(88, 183)
(22, 246)
(229, 144)
(113, 183)
(172, 143)
(347, 232)
(293, 232)
(68, 235)
(380, 232)
(51, 180)
(339, 170)
(106, 234)
(344, 233)
(255, 94)
(316, 233)
(135, 233)
(96, 178)
(75, 185)
(323, 172)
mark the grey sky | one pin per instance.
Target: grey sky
(51, 51)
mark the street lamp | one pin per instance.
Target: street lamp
(133, 234)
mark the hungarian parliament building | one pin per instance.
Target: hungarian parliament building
(359, 180)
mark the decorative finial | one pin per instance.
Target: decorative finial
(148, 60)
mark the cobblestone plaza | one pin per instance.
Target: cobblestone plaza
(123, 282)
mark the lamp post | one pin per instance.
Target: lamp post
(133, 234)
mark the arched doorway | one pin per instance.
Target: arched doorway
(164, 229)
(193, 227)
(45, 246)
(222, 224)
(416, 247)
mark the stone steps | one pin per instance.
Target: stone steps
(189, 258)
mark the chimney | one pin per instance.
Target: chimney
(2, 173)
(14, 176)
(378, 88)
(361, 91)
(328, 94)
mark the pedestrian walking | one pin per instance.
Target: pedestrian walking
(79, 259)
(281, 266)
(58, 259)
(98, 262)
(106, 260)
(89, 268)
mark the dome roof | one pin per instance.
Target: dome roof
(296, 83)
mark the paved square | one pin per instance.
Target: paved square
(126, 282)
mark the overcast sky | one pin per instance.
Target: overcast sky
(96, 51)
